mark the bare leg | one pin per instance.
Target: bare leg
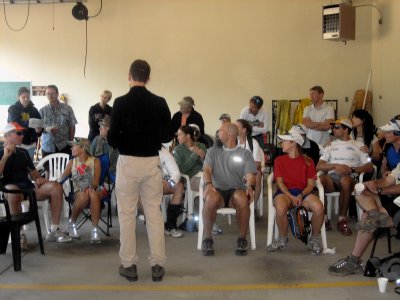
(347, 186)
(282, 203)
(241, 204)
(212, 201)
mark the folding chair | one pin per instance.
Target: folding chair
(105, 179)
(272, 226)
(226, 211)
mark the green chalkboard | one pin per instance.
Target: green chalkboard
(9, 91)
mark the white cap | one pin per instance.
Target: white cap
(393, 125)
(293, 136)
(299, 129)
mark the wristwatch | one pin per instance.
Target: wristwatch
(207, 183)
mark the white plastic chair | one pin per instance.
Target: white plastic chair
(57, 164)
(272, 214)
(190, 195)
(226, 211)
(333, 199)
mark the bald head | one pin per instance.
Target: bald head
(228, 134)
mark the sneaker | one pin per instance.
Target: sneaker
(175, 233)
(58, 236)
(374, 220)
(73, 231)
(207, 247)
(24, 243)
(241, 249)
(129, 273)
(316, 245)
(277, 245)
(345, 266)
(157, 272)
(343, 227)
(217, 230)
(95, 238)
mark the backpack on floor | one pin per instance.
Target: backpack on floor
(388, 267)
(299, 223)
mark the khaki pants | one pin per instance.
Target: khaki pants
(140, 176)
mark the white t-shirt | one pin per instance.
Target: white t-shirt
(321, 114)
(254, 120)
(345, 153)
(169, 167)
(257, 152)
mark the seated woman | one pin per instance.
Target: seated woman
(189, 154)
(295, 175)
(247, 142)
(85, 171)
(363, 131)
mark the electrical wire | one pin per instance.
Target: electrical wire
(86, 48)
(26, 21)
(101, 7)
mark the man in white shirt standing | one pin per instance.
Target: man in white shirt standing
(318, 116)
(257, 117)
(342, 160)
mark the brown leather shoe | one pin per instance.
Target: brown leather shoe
(343, 227)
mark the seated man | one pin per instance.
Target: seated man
(223, 172)
(100, 146)
(295, 176)
(374, 216)
(343, 159)
(15, 167)
(171, 185)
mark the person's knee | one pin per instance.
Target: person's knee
(346, 182)
(211, 201)
(281, 207)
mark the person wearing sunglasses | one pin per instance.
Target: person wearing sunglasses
(341, 162)
(18, 172)
(391, 149)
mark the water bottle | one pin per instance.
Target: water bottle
(190, 224)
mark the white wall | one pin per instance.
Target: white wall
(385, 62)
(221, 52)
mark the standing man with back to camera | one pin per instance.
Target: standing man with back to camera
(140, 123)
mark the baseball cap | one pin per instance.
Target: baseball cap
(13, 126)
(293, 136)
(299, 129)
(83, 143)
(257, 101)
(224, 116)
(393, 125)
(344, 121)
(186, 101)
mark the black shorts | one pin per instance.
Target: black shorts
(25, 186)
(227, 195)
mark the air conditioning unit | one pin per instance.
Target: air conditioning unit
(339, 22)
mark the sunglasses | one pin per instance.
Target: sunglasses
(337, 127)
(19, 133)
(394, 121)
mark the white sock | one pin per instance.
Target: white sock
(53, 228)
